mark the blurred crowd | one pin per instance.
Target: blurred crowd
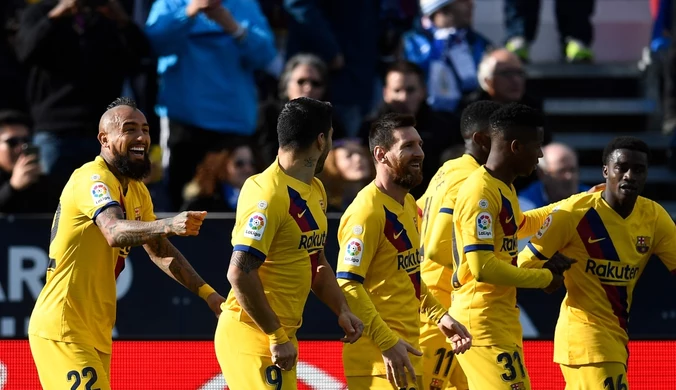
(212, 76)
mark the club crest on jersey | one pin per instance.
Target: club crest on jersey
(255, 226)
(642, 244)
(484, 226)
(100, 193)
(353, 252)
(436, 384)
(518, 386)
(137, 213)
(545, 225)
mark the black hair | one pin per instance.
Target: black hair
(514, 121)
(476, 117)
(122, 101)
(382, 130)
(406, 67)
(629, 143)
(301, 121)
(12, 117)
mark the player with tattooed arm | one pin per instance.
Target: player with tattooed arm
(104, 210)
(278, 257)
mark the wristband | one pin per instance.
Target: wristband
(204, 291)
(278, 337)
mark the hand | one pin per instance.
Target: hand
(597, 188)
(63, 8)
(557, 281)
(187, 223)
(214, 301)
(456, 333)
(223, 18)
(397, 361)
(26, 172)
(284, 355)
(196, 6)
(352, 326)
(559, 263)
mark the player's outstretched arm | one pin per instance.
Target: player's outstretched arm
(248, 289)
(173, 263)
(326, 288)
(486, 268)
(120, 232)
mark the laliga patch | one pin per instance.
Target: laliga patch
(545, 225)
(484, 226)
(255, 226)
(354, 252)
(100, 194)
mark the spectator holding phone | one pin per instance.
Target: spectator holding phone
(23, 186)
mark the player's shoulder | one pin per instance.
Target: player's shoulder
(479, 184)
(96, 170)
(650, 208)
(366, 205)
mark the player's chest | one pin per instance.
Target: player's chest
(399, 247)
(131, 205)
(305, 226)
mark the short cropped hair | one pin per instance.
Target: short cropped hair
(12, 117)
(122, 101)
(476, 117)
(629, 143)
(406, 67)
(301, 121)
(382, 130)
(515, 120)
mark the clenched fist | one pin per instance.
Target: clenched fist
(187, 223)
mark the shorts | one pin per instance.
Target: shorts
(596, 376)
(379, 382)
(243, 352)
(63, 365)
(441, 370)
(497, 367)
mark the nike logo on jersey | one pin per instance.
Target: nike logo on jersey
(509, 219)
(591, 241)
(398, 234)
(301, 214)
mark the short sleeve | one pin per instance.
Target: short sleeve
(554, 235)
(359, 237)
(477, 210)
(95, 191)
(148, 210)
(665, 239)
(259, 216)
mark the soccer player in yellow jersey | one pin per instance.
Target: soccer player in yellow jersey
(379, 266)
(612, 234)
(104, 210)
(278, 257)
(440, 370)
(486, 221)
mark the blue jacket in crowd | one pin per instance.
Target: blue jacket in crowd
(206, 76)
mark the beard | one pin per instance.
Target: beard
(407, 177)
(321, 160)
(131, 169)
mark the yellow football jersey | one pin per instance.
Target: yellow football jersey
(612, 253)
(79, 299)
(283, 221)
(379, 247)
(486, 220)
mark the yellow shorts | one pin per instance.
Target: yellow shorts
(378, 382)
(596, 376)
(441, 370)
(243, 352)
(498, 367)
(64, 365)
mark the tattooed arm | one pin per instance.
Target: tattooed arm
(172, 262)
(120, 232)
(248, 289)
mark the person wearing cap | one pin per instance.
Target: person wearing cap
(448, 49)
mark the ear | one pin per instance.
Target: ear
(483, 140)
(103, 138)
(515, 146)
(321, 141)
(379, 153)
(605, 171)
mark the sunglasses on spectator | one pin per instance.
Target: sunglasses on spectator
(511, 73)
(16, 141)
(244, 163)
(313, 82)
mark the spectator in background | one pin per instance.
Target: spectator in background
(23, 187)
(12, 75)
(573, 19)
(348, 169)
(448, 50)
(344, 34)
(209, 51)
(558, 178)
(78, 53)
(405, 92)
(304, 75)
(219, 178)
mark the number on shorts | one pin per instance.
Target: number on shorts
(507, 361)
(273, 377)
(443, 354)
(87, 372)
(610, 385)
